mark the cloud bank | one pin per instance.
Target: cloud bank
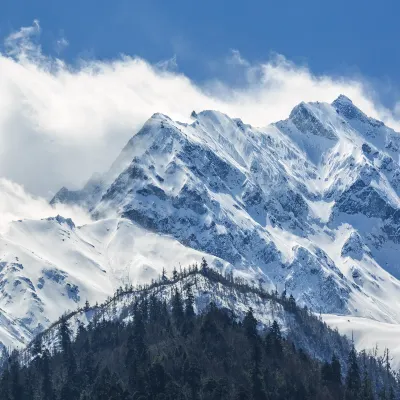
(60, 123)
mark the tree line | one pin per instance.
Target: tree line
(163, 350)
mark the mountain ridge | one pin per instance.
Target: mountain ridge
(309, 204)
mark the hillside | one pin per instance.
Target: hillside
(177, 339)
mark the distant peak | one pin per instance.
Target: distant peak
(300, 108)
(158, 115)
(347, 109)
(212, 114)
(61, 220)
(342, 99)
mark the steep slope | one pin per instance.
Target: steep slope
(309, 203)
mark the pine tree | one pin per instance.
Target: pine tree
(108, 387)
(157, 379)
(15, 378)
(326, 372)
(353, 380)
(5, 389)
(47, 384)
(37, 347)
(292, 303)
(177, 309)
(137, 353)
(189, 309)
(273, 340)
(204, 266)
(367, 392)
(250, 325)
(241, 393)
(66, 347)
(331, 372)
(174, 275)
(30, 384)
(69, 390)
(336, 370)
(164, 277)
(192, 376)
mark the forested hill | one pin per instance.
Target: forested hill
(196, 335)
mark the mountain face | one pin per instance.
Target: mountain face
(309, 204)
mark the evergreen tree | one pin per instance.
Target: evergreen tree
(292, 303)
(16, 387)
(336, 370)
(164, 277)
(137, 353)
(37, 347)
(331, 372)
(157, 379)
(367, 392)
(65, 334)
(5, 384)
(273, 340)
(204, 266)
(177, 309)
(192, 376)
(250, 325)
(88, 369)
(47, 384)
(353, 380)
(241, 393)
(108, 387)
(189, 309)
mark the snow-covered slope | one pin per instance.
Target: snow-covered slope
(310, 204)
(50, 266)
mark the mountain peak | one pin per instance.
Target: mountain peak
(346, 108)
(342, 99)
(306, 118)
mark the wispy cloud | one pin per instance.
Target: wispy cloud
(60, 123)
(61, 44)
(16, 203)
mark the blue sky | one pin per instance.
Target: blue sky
(349, 38)
(74, 121)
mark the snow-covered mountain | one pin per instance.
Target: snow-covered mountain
(310, 204)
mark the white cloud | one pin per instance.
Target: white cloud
(60, 123)
(61, 44)
(16, 203)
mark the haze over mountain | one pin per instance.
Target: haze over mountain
(309, 204)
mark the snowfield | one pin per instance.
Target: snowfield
(309, 204)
